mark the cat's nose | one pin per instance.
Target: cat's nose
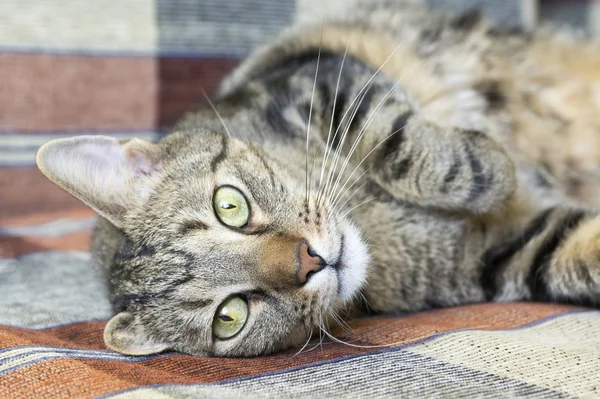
(310, 262)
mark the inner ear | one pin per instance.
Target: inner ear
(109, 175)
(125, 334)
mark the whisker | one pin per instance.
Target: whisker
(318, 344)
(321, 328)
(338, 152)
(341, 323)
(216, 112)
(305, 345)
(312, 169)
(362, 203)
(342, 193)
(312, 98)
(350, 197)
(356, 97)
(369, 153)
(337, 86)
(370, 119)
(333, 338)
(367, 304)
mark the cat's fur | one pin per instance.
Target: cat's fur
(469, 181)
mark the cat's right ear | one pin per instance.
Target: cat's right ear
(109, 175)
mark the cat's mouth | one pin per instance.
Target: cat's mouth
(339, 263)
(351, 264)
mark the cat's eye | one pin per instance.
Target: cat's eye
(231, 206)
(230, 317)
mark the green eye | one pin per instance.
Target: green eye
(231, 206)
(230, 318)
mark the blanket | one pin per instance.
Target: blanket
(130, 69)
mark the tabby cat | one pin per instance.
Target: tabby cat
(386, 160)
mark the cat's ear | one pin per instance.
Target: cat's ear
(125, 334)
(109, 175)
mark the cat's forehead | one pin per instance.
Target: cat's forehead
(208, 161)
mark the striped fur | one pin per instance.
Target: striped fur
(429, 152)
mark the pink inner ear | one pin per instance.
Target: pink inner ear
(121, 155)
(101, 153)
(141, 164)
(138, 155)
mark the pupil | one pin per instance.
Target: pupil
(227, 206)
(225, 318)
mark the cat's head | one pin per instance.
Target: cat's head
(222, 249)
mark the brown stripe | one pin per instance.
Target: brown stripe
(25, 191)
(52, 92)
(182, 81)
(88, 378)
(11, 247)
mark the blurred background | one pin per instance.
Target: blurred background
(130, 68)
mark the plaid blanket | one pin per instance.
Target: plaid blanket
(129, 69)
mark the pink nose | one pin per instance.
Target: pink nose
(310, 262)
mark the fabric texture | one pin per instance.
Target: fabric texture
(131, 68)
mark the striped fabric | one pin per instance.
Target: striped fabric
(129, 68)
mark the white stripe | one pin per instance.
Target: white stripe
(104, 25)
(55, 228)
(17, 158)
(20, 149)
(562, 353)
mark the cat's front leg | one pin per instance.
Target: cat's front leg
(442, 167)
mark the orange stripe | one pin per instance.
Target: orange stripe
(11, 247)
(84, 378)
(25, 191)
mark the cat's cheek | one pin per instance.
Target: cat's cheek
(355, 260)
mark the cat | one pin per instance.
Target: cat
(388, 160)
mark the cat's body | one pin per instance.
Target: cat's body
(465, 161)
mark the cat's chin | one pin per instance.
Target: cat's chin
(352, 266)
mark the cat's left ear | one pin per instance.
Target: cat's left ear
(125, 334)
(109, 175)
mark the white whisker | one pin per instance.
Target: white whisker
(364, 298)
(362, 203)
(305, 345)
(422, 337)
(216, 112)
(369, 153)
(312, 98)
(341, 323)
(369, 120)
(326, 152)
(338, 152)
(356, 97)
(341, 194)
(350, 197)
